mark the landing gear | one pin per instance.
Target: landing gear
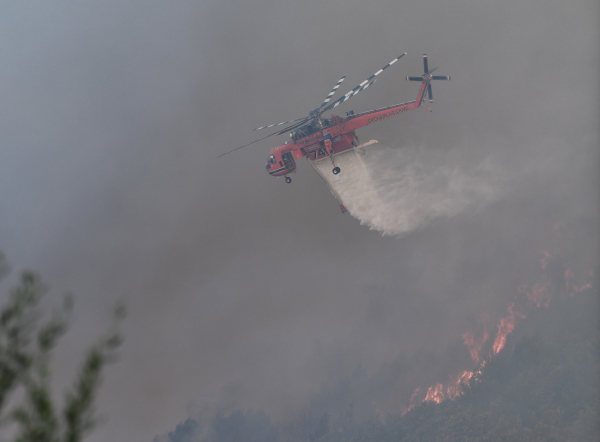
(288, 179)
(336, 170)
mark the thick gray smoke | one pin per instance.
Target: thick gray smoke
(244, 291)
(396, 191)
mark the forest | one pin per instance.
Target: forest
(542, 386)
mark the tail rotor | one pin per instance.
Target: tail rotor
(428, 77)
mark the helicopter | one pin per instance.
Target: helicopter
(315, 137)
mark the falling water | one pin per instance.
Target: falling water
(397, 190)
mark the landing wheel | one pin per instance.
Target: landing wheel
(288, 179)
(336, 170)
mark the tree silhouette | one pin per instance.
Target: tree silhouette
(26, 345)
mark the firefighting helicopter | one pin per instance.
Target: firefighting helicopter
(316, 137)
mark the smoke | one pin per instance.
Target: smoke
(252, 292)
(398, 190)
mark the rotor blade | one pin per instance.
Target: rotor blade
(440, 77)
(293, 126)
(333, 91)
(414, 78)
(425, 66)
(430, 94)
(431, 70)
(362, 86)
(278, 124)
(255, 141)
(347, 96)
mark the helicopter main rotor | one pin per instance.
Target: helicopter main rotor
(316, 113)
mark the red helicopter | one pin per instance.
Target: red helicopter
(315, 137)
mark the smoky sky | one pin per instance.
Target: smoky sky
(244, 291)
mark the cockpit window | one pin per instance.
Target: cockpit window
(272, 159)
(303, 131)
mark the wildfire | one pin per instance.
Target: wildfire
(414, 395)
(506, 326)
(435, 394)
(474, 340)
(438, 392)
(572, 288)
(413, 401)
(474, 345)
(539, 295)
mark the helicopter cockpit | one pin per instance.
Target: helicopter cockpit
(308, 129)
(270, 162)
(303, 131)
(280, 163)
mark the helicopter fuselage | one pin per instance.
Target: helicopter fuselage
(316, 138)
(337, 135)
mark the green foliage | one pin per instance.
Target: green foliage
(26, 345)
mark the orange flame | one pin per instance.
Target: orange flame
(583, 287)
(413, 402)
(465, 377)
(538, 295)
(507, 325)
(437, 393)
(569, 275)
(474, 345)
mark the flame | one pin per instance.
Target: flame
(474, 345)
(538, 295)
(584, 287)
(507, 325)
(437, 393)
(475, 340)
(414, 395)
(572, 287)
(413, 401)
(466, 376)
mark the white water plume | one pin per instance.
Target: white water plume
(396, 191)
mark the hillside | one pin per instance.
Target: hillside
(543, 386)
